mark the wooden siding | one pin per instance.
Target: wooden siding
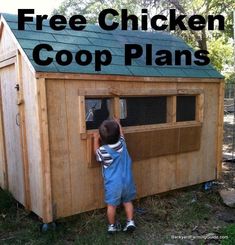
(12, 133)
(77, 188)
(33, 139)
(3, 166)
(7, 44)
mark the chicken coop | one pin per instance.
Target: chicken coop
(172, 117)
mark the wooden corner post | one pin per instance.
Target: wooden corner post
(24, 148)
(220, 122)
(45, 152)
(200, 107)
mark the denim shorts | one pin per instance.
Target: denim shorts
(116, 196)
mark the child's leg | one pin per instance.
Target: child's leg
(111, 212)
(129, 209)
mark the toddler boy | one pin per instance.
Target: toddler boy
(110, 149)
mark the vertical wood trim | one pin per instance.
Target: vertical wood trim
(220, 121)
(88, 150)
(116, 107)
(171, 109)
(23, 139)
(82, 119)
(90, 155)
(199, 107)
(3, 144)
(45, 151)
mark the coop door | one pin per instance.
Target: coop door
(12, 132)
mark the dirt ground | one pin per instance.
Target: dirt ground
(229, 134)
(228, 173)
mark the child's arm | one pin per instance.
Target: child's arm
(96, 141)
(120, 126)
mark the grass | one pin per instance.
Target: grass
(229, 233)
(179, 213)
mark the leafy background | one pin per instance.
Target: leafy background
(218, 43)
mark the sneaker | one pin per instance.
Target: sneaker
(130, 226)
(114, 228)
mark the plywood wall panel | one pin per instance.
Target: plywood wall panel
(3, 166)
(205, 158)
(83, 189)
(30, 105)
(11, 128)
(59, 147)
(85, 182)
(6, 42)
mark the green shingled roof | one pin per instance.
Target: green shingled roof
(94, 38)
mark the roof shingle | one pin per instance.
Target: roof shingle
(94, 38)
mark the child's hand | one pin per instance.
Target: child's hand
(119, 124)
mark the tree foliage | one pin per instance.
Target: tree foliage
(221, 52)
(217, 42)
(91, 8)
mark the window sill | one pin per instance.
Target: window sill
(145, 128)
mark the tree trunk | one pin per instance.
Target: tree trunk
(203, 44)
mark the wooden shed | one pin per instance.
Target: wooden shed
(172, 117)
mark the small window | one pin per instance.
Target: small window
(97, 110)
(123, 110)
(186, 108)
(142, 110)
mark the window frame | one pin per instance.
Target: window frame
(144, 96)
(115, 95)
(103, 97)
